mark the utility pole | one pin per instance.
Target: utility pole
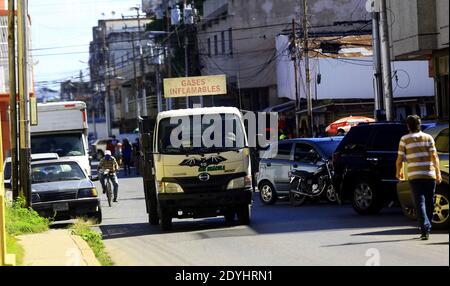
(169, 101)
(186, 43)
(297, 98)
(136, 80)
(24, 103)
(307, 69)
(142, 66)
(107, 83)
(13, 98)
(386, 62)
(378, 79)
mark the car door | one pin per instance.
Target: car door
(304, 158)
(383, 150)
(280, 166)
(442, 149)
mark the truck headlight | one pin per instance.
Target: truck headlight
(240, 183)
(170, 188)
(87, 193)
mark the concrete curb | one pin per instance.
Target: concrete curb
(86, 251)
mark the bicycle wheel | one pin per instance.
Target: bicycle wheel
(109, 193)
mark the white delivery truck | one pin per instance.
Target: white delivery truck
(62, 128)
(197, 180)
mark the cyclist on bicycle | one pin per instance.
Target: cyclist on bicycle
(109, 163)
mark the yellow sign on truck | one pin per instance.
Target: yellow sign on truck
(195, 86)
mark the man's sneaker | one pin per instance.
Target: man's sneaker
(425, 236)
(115, 200)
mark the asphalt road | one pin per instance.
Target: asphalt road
(280, 235)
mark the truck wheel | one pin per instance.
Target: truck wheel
(153, 218)
(244, 214)
(166, 221)
(365, 198)
(441, 211)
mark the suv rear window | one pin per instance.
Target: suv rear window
(387, 137)
(356, 140)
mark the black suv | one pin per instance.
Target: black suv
(364, 165)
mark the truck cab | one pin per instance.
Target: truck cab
(194, 178)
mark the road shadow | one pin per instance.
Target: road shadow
(370, 242)
(215, 228)
(402, 231)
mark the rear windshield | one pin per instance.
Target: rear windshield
(62, 144)
(355, 140)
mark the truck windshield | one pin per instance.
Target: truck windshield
(216, 135)
(62, 144)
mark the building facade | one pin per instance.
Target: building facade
(420, 30)
(238, 38)
(122, 64)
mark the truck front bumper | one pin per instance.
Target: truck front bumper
(200, 205)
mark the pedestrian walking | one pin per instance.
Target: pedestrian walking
(119, 153)
(419, 151)
(136, 154)
(127, 153)
(111, 145)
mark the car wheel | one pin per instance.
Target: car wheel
(96, 217)
(441, 211)
(244, 214)
(166, 221)
(267, 193)
(410, 213)
(365, 198)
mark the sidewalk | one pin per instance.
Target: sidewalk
(56, 248)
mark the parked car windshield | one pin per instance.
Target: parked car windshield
(56, 172)
(64, 145)
(233, 138)
(328, 147)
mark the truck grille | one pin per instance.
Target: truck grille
(193, 185)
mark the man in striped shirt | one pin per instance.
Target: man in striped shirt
(419, 151)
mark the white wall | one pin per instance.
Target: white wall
(351, 78)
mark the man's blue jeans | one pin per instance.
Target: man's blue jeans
(423, 191)
(114, 181)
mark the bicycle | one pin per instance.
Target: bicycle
(107, 180)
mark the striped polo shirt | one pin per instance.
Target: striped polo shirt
(417, 149)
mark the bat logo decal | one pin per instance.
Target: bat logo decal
(203, 162)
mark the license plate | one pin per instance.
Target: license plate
(61, 207)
